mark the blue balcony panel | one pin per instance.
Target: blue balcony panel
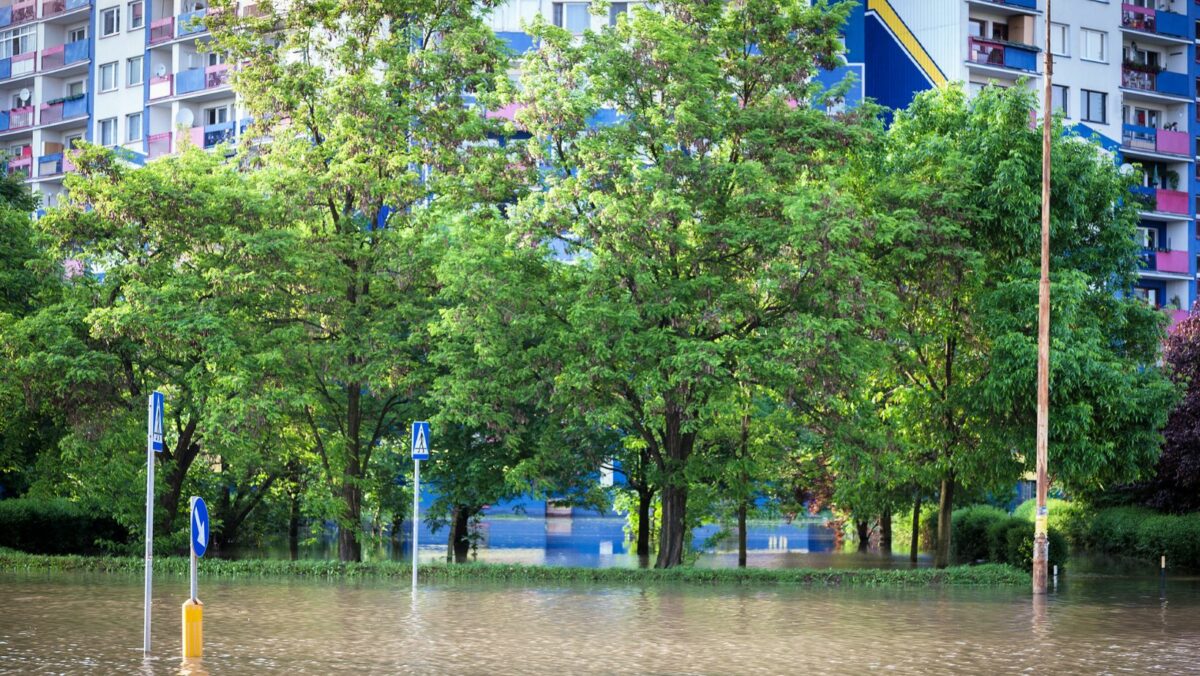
(1168, 82)
(190, 23)
(189, 81)
(3, 120)
(76, 4)
(5, 16)
(1027, 4)
(5, 69)
(1017, 57)
(75, 107)
(517, 41)
(77, 51)
(1170, 23)
(218, 133)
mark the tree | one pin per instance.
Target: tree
(704, 228)
(363, 122)
(1176, 483)
(960, 182)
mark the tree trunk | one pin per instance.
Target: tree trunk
(941, 556)
(885, 532)
(741, 526)
(671, 539)
(183, 455)
(458, 543)
(294, 528)
(863, 528)
(645, 501)
(915, 541)
(349, 548)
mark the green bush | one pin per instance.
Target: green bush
(969, 526)
(1115, 530)
(1071, 519)
(1011, 541)
(1175, 536)
(55, 526)
(1138, 532)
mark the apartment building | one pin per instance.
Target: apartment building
(1124, 73)
(135, 74)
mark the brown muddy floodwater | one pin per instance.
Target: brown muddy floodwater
(59, 623)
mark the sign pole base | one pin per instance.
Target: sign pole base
(193, 628)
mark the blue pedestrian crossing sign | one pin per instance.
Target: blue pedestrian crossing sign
(155, 429)
(199, 526)
(420, 441)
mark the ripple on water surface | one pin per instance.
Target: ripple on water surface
(70, 624)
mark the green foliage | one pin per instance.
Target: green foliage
(56, 526)
(1141, 533)
(1010, 540)
(971, 540)
(985, 575)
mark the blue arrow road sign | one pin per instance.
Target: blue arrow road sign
(199, 526)
(420, 441)
(156, 422)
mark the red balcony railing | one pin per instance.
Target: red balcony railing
(54, 57)
(52, 7)
(216, 76)
(24, 10)
(161, 87)
(20, 117)
(23, 165)
(162, 30)
(158, 145)
(51, 112)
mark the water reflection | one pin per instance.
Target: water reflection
(92, 623)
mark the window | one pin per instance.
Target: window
(133, 71)
(1058, 99)
(1141, 57)
(1059, 39)
(108, 131)
(137, 15)
(75, 88)
(1143, 117)
(1149, 296)
(615, 10)
(218, 115)
(17, 41)
(573, 16)
(1094, 106)
(73, 139)
(77, 34)
(1095, 44)
(215, 59)
(1147, 238)
(108, 76)
(110, 21)
(133, 127)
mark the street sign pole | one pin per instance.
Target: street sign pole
(154, 440)
(193, 610)
(420, 451)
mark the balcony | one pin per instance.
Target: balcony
(24, 11)
(1169, 261)
(1158, 22)
(1150, 139)
(1002, 54)
(1161, 200)
(54, 164)
(66, 109)
(22, 164)
(200, 79)
(212, 135)
(53, 7)
(162, 30)
(17, 118)
(1175, 316)
(158, 145)
(1141, 78)
(18, 66)
(54, 58)
(191, 23)
(161, 87)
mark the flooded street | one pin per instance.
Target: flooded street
(57, 623)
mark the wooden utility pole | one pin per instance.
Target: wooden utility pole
(1041, 544)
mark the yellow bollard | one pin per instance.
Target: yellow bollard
(193, 628)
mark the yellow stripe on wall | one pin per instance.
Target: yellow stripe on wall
(893, 21)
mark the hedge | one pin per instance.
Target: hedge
(1142, 533)
(55, 526)
(985, 533)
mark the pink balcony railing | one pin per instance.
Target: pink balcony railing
(216, 76)
(52, 7)
(158, 145)
(196, 136)
(24, 64)
(20, 117)
(1171, 201)
(23, 165)
(24, 10)
(1176, 317)
(51, 112)
(1172, 142)
(54, 57)
(160, 87)
(1137, 18)
(162, 30)
(1172, 261)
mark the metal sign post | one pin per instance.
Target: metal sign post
(154, 444)
(193, 610)
(420, 451)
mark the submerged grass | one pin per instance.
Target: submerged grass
(984, 575)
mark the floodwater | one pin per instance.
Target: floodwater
(58, 623)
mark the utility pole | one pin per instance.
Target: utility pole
(1041, 543)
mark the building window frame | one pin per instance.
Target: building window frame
(1093, 106)
(1063, 31)
(565, 15)
(134, 70)
(137, 14)
(106, 131)
(1085, 53)
(1060, 97)
(134, 130)
(102, 75)
(110, 21)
